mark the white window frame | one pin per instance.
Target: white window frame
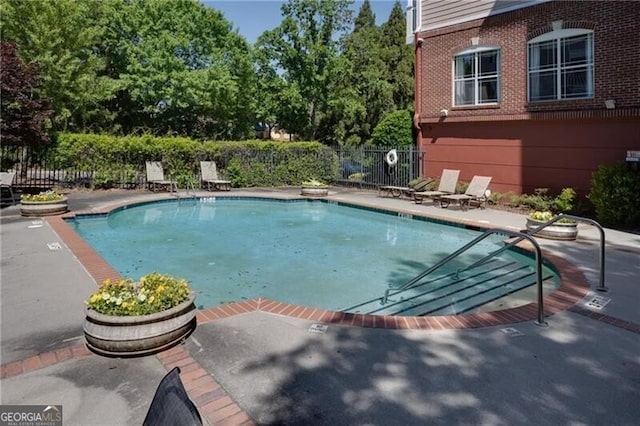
(413, 17)
(557, 37)
(476, 78)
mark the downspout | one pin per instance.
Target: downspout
(417, 94)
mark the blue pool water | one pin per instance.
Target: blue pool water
(311, 253)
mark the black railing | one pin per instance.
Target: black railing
(38, 169)
(369, 166)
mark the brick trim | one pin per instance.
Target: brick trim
(574, 287)
(213, 402)
(46, 359)
(532, 115)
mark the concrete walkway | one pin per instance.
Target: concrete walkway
(259, 367)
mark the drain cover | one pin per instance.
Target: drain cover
(318, 328)
(54, 246)
(597, 302)
(510, 331)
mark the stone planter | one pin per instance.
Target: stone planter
(315, 191)
(43, 208)
(139, 335)
(557, 231)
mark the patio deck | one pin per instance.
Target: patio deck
(262, 366)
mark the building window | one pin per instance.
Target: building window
(413, 17)
(561, 65)
(476, 76)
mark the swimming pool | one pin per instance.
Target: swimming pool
(313, 253)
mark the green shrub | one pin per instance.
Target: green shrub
(615, 193)
(395, 129)
(565, 201)
(247, 163)
(495, 198)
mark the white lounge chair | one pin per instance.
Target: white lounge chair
(155, 177)
(210, 179)
(476, 193)
(6, 182)
(447, 185)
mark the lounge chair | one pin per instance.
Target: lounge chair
(155, 177)
(210, 179)
(447, 185)
(475, 194)
(6, 180)
(171, 404)
(399, 191)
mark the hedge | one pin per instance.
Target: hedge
(116, 160)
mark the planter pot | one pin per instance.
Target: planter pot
(315, 191)
(139, 335)
(557, 231)
(43, 208)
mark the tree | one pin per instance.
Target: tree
(61, 37)
(180, 69)
(367, 74)
(398, 57)
(395, 129)
(24, 113)
(302, 49)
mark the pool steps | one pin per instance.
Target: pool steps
(450, 294)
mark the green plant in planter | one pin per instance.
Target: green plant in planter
(153, 293)
(313, 183)
(563, 203)
(41, 197)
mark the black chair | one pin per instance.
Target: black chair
(171, 405)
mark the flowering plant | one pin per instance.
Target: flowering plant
(153, 293)
(43, 196)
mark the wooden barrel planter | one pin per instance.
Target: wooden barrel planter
(315, 191)
(43, 208)
(557, 231)
(139, 335)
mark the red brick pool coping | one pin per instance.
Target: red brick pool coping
(574, 286)
(215, 404)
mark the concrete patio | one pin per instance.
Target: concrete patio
(253, 366)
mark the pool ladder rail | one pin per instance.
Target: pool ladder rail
(190, 188)
(510, 286)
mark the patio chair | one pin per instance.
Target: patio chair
(210, 178)
(6, 182)
(399, 191)
(155, 177)
(447, 185)
(171, 404)
(476, 193)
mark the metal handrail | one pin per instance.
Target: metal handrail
(540, 319)
(601, 286)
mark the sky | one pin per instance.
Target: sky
(253, 17)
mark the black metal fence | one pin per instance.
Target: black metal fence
(370, 166)
(37, 169)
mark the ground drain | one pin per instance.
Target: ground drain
(318, 328)
(512, 332)
(598, 302)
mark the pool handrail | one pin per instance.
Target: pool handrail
(601, 286)
(538, 255)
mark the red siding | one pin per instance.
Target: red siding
(526, 146)
(524, 155)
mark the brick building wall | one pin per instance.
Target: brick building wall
(516, 138)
